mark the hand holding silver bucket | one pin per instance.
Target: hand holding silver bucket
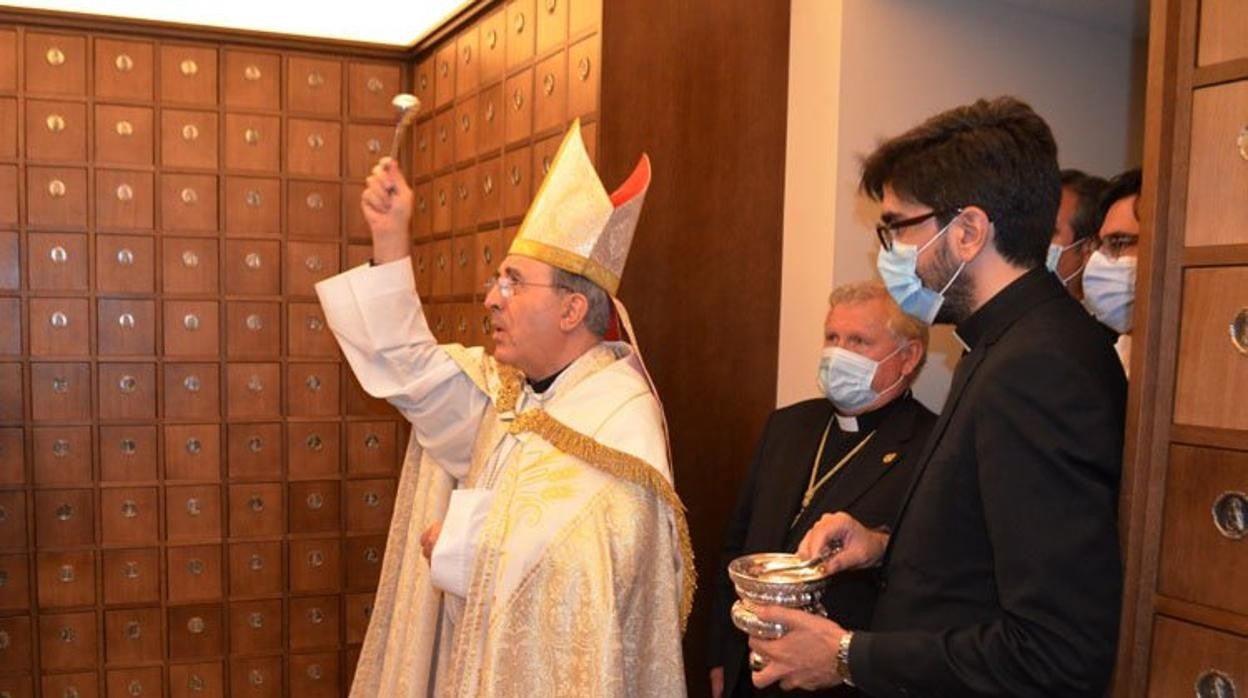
(775, 579)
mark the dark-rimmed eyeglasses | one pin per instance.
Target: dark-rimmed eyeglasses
(507, 286)
(886, 232)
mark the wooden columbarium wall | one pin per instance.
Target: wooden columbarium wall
(1185, 623)
(194, 491)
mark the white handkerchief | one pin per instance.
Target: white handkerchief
(450, 565)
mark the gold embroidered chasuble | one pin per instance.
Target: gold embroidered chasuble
(583, 573)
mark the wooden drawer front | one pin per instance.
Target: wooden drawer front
(252, 80)
(8, 61)
(128, 453)
(443, 135)
(15, 589)
(56, 197)
(1206, 520)
(131, 576)
(56, 130)
(256, 510)
(521, 27)
(313, 147)
(204, 680)
(58, 261)
(255, 568)
(64, 518)
(195, 573)
(552, 24)
(188, 75)
(307, 332)
(252, 142)
(256, 678)
(583, 16)
(12, 520)
(62, 455)
(192, 328)
(444, 67)
(190, 265)
(1216, 211)
(315, 565)
(442, 201)
(66, 579)
(517, 182)
(363, 561)
(256, 627)
(133, 636)
(15, 650)
(8, 194)
(253, 329)
(60, 391)
(192, 452)
(315, 675)
(422, 149)
(124, 135)
(253, 390)
(1212, 374)
(255, 451)
(313, 449)
(370, 87)
(366, 144)
(312, 389)
(314, 85)
(583, 77)
(59, 327)
(467, 195)
(543, 157)
(1223, 26)
(489, 185)
(466, 130)
(313, 622)
(252, 267)
(422, 208)
(129, 683)
(253, 206)
(125, 263)
(487, 253)
(422, 81)
(12, 456)
(130, 516)
(188, 202)
(468, 59)
(192, 391)
(195, 631)
(463, 261)
(550, 93)
(68, 641)
(518, 106)
(8, 129)
(464, 330)
(307, 263)
(124, 69)
(439, 317)
(193, 513)
(10, 261)
(127, 391)
(189, 139)
(313, 507)
(1188, 657)
(493, 57)
(359, 611)
(56, 63)
(127, 327)
(314, 209)
(372, 448)
(78, 685)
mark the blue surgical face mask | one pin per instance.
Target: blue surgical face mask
(845, 378)
(1109, 289)
(1055, 256)
(899, 269)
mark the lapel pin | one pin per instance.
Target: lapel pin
(890, 457)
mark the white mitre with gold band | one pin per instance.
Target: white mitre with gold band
(575, 225)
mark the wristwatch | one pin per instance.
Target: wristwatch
(842, 658)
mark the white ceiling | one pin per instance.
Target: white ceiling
(385, 22)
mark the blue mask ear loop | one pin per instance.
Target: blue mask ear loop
(1078, 271)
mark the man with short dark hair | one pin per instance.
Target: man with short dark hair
(1074, 233)
(1109, 278)
(1003, 574)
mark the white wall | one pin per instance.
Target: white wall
(901, 61)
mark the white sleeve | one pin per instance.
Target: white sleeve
(376, 316)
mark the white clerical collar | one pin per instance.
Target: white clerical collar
(847, 424)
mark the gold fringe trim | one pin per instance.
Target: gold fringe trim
(626, 467)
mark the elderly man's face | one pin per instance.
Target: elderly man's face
(525, 317)
(862, 328)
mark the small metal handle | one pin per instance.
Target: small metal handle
(254, 322)
(129, 509)
(129, 447)
(123, 62)
(582, 68)
(190, 132)
(315, 323)
(489, 111)
(189, 196)
(55, 123)
(195, 625)
(60, 448)
(313, 442)
(444, 67)
(251, 136)
(134, 630)
(195, 566)
(54, 56)
(256, 678)
(315, 141)
(467, 54)
(465, 122)
(189, 67)
(373, 145)
(515, 175)
(255, 563)
(314, 263)
(518, 23)
(126, 321)
(124, 192)
(66, 574)
(252, 260)
(315, 201)
(1230, 515)
(127, 384)
(56, 189)
(372, 442)
(487, 184)
(442, 135)
(314, 500)
(60, 384)
(190, 260)
(1215, 684)
(372, 499)
(551, 5)
(316, 558)
(315, 79)
(256, 503)
(58, 255)
(253, 198)
(314, 672)
(313, 383)
(1239, 331)
(59, 320)
(491, 38)
(191, 383)
(190, 321)
(193, 447)
(193, 507)
(1241, 143)
(255, 444)
(375, 85)
(124, 128)
(548, 83)
(251, 72)
(130, 570)
(256, 620)
(65, 512)
(255, 385)
(517, 99)
(125, 256)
